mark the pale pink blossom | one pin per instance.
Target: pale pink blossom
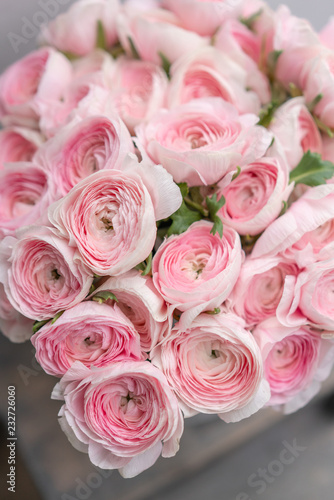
(13, 325)
(138, 90)
(295, 129)
(196, 271)
(326, 35)
(124, 415)
(207, 72)
(82, 148)
(18, 144)
(300, 225)
(95, 334)
(110, 217)
(32, 84)
(200, 142)
(255, 198)
(296, 361)
(142, 304)
(156, 32)
(40, 275)
(203, 16)
(75, 31)
(25, 195)
(244, 47)
(214, 366)
(261, 287)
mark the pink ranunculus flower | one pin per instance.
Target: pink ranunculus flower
(328, 149)
(307, 221)
(95, 334)
(25, 195)
(40, 275)
(75, 31)
(319, 81)
(203, 16)
(196, 271)
(298, 42)
(82, 148)
(86, 95)
(292, 31)
(315, 291)
(296, 361)
(142, 304)
(82, 99)
(32, 84)
(138, 91)
(261, 287)
(295, 129)
(200, 142)
(263, 26)
(214, 366)
(207, 72)
(13, 325)
(244, 47)
(255, 198)
(326, 35)
(235, 38)
(155, 32)
(18, 144)
(124, 415)
(97, 65)
(110, 217)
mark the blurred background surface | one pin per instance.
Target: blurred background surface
(216, 461)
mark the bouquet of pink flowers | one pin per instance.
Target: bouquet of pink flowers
(167, 216)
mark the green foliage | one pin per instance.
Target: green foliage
(166, 64)
(249, 21)
(102, 297)
(312, 170)
(182, 219)
(101, 40)
(134, 51)
(214, 206)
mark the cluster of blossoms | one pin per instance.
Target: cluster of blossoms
(167, 216)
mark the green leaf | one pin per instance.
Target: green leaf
(312, 170)
(166, 64)
(148, 268)
(214, 312)
(314, 103)
(134, 51)
(272, 63)
(57, 316)
(116, 51)
(182, 219)
(184, 189)
(214, 206)
(101, 40)
(250, 20)
(236, 175)
(324, 128)
(284, 208)
(102, 297)
(69, 55)
(294, 90)
(195, 195)
(38, 325)
(217, 226)
(267, 114)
